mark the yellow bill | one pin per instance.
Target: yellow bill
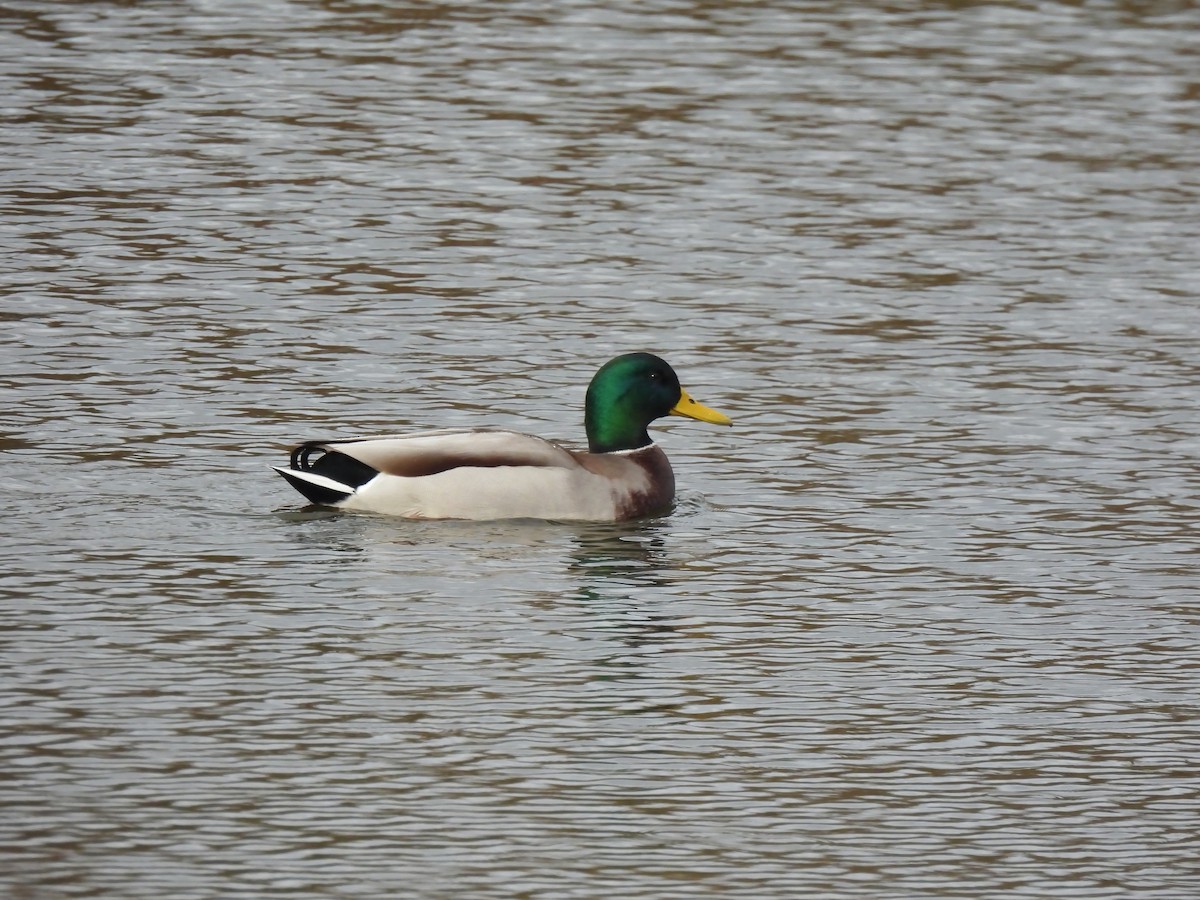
(693, 410)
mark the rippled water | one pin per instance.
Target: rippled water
(924, 623)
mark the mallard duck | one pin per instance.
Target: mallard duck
(504, 474)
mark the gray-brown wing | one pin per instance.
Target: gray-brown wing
(428, 453)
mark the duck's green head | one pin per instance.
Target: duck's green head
(630, 392)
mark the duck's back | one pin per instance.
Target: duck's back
(431, 452)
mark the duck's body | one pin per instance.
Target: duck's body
(483, 475)
(504, 474)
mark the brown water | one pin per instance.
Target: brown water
(926, 623)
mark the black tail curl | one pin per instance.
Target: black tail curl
(341, 468)
(300, 456)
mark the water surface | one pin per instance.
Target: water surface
(923, 624)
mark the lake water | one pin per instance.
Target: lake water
(924, 623)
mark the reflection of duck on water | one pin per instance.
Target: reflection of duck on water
(633, 555)
(503, 474)
(621, 575)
